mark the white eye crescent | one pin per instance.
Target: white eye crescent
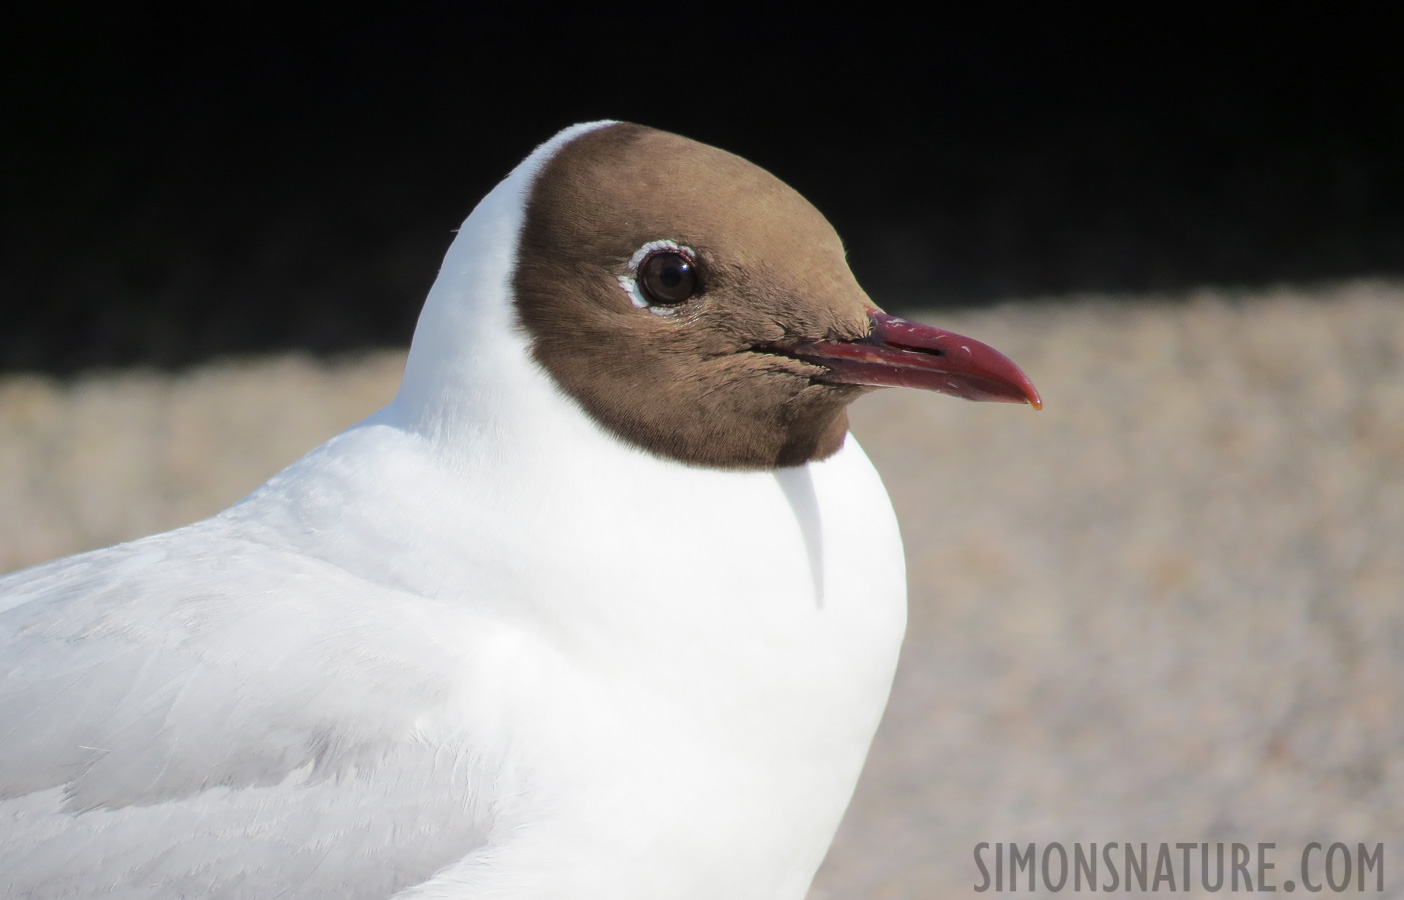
(661, 276)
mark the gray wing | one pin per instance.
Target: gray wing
(196, 714)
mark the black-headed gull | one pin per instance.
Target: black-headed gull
(605, 604)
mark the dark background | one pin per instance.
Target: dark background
(178, 184)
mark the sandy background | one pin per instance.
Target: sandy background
(1167, 608)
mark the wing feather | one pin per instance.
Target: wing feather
(226, 718)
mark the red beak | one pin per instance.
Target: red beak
(898, 353)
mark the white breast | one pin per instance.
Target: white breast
(700, 661)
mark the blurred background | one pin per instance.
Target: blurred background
(180, 184)
(1166, 608)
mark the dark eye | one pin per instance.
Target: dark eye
(667, 278)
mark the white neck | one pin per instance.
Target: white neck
(470, 376)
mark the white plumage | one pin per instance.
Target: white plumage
(472, 647)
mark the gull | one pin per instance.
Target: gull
(606, 603)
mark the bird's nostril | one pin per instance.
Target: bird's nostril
(910, 348)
